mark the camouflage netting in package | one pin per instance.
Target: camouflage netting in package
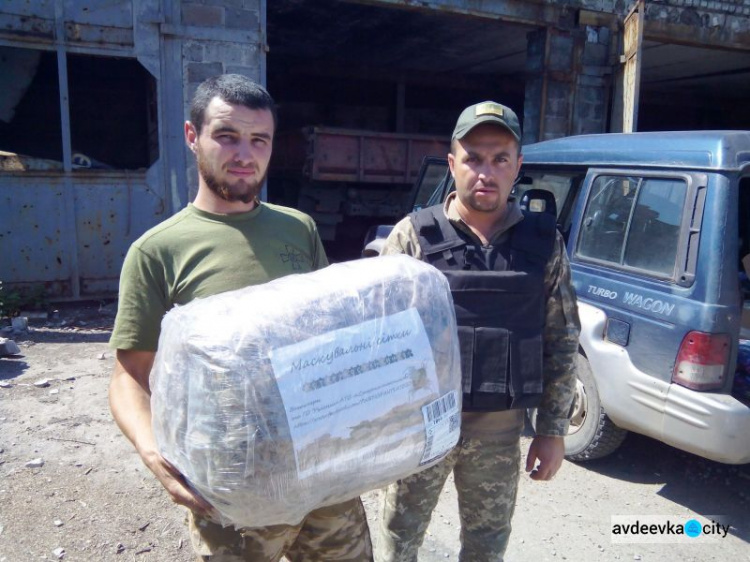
(309, 390)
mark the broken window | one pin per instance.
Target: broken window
(30, 123)
(111, 106)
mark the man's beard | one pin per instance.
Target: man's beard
(483, 207)
(476, 203)
(225, 190)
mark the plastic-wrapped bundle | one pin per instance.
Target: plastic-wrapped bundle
(309, 390)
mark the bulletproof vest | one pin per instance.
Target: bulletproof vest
(499, 295)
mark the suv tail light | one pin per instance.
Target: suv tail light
(702, 361)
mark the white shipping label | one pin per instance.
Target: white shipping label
(442, 422)
(334, 385)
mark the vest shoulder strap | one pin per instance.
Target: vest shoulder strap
(436, 233)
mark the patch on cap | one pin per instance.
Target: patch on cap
(488, 109)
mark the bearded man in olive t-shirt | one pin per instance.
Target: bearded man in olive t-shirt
(225, 240)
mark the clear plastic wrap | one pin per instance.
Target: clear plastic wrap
(309, 390)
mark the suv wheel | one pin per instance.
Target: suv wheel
(592, 434)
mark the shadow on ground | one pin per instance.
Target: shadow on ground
(12, 367)
(704, 487)
(48, 335)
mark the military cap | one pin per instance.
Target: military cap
(486, 112)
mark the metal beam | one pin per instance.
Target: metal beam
(21, 42)
(208, 33)
(171, 95)
(69, 197)
(511, 11)
(633, 47)
(693, 36)
(263, 42)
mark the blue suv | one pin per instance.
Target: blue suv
(657, 226)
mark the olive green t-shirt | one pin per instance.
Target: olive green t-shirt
(196, 254)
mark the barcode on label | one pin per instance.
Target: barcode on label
(442, 419)
(441, 406)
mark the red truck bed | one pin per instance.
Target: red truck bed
(346, 155)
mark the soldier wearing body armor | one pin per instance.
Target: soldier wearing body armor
(518, 332)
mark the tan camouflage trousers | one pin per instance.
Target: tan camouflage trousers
(335, 533)
(486, 474)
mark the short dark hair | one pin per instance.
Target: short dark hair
(230, 88)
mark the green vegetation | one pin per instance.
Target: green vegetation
(13, 301)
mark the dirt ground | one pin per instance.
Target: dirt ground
(93, 500)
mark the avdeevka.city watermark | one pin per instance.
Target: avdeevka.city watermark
(668, 528)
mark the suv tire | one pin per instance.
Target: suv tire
(592, 435)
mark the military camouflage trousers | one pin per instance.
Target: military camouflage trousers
(486, 474)
(335, 533)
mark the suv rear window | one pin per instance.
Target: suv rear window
(634, 222)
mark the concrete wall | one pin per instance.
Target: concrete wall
(219, 36)
(567, 86)
(696, 22)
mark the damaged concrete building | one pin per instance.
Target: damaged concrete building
(94, 96)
